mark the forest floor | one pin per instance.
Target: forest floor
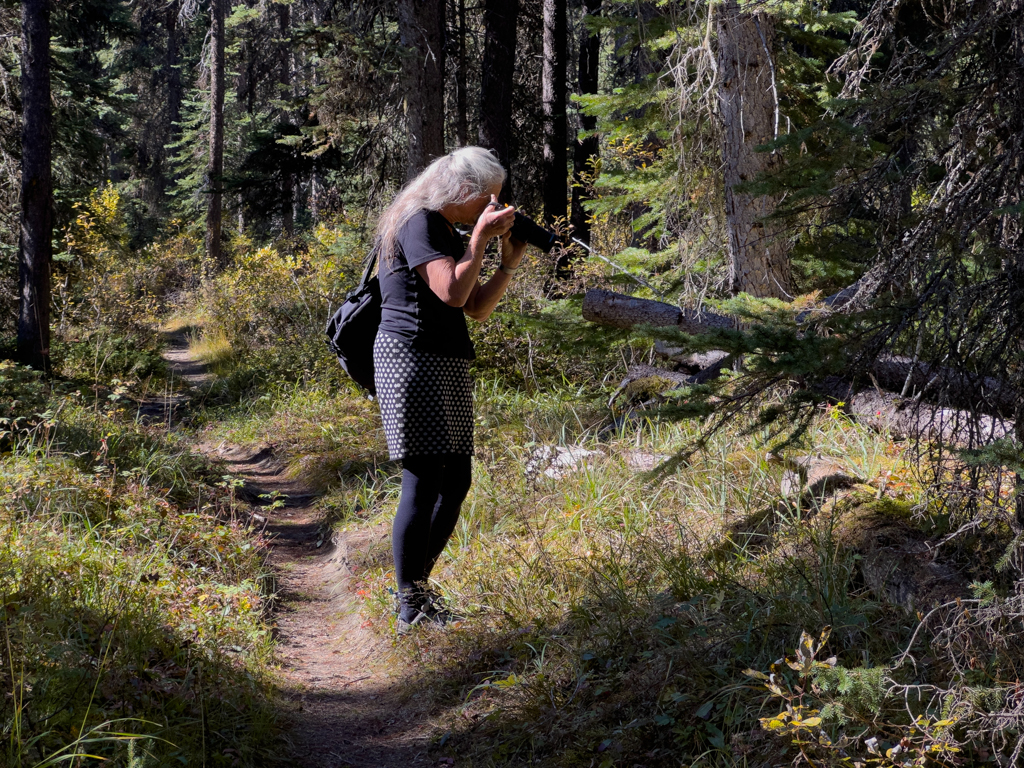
(342, 701)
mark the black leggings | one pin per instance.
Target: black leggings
(433, 488)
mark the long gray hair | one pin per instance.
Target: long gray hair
(453, 179)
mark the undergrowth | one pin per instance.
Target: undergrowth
(132, 599)
(615, 618)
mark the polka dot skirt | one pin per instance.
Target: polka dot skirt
(426, 401)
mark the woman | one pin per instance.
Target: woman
(429, 282)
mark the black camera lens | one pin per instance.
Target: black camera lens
(527, 230)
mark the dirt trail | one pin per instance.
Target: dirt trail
(342, 705)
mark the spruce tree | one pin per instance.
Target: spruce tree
(496, 82)
(35, 249)
(214, 181)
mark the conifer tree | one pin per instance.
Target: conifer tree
(422, 27)
(461, 79)
(284, 18)
(748, 91)
(585, 149)
(554, 91)
(497, 70)
(215, 165)
(35, 248)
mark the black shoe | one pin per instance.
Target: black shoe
(421, 606)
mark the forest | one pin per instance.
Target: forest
(749, 435)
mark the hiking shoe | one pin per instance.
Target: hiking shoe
(422, 606)
(436, 609)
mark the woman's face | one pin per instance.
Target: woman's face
(476, 206)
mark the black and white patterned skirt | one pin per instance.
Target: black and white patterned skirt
(426, 401)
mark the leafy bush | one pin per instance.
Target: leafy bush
(24, 393)
(108, 297)
(271, 307)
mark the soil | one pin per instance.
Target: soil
(342, 701)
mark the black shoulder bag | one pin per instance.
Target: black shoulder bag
(353, 327)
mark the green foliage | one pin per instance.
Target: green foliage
(24, 394)
(125, 610)
(266, 315)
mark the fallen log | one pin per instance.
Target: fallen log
(621, 311)
(900, 374)
(957, 388)
(915, 420)
(905, 419)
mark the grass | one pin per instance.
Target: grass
(132, 601)
(212, 347)
(611, 617)
(614, 618)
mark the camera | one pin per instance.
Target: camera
(528, 231)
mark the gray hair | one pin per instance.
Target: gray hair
(453, 179)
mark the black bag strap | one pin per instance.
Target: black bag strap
(371, 262)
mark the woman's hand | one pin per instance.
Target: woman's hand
(494, 221)
(512, 250)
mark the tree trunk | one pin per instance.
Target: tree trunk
(461, 104)
(422, 28)
(36, 246)
(554, 92)
(759, 254)
(584, 150)
(284, 23)
(986, 394)
(174, 91)
(620, 311)
(1019, 476)
(500, 22)
(215, 163)
(915, 420)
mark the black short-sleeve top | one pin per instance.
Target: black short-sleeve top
(410, 311)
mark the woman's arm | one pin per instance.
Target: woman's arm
(485, 298)
(455, 281)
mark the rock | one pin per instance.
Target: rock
(644, 461)
(816, 477)
(897, 561)
(559, 461)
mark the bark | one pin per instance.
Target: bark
(35, 247)
(461, 102)
(284, 22)
(619, 311)
(554, 91)
(500, 22)
(421, 24)
(962, 390)
(173, 63)
(915, 420)
(759, 253)
(584, 150)
(1019, 479)
(215, 164)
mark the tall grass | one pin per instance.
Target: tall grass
(132, 602)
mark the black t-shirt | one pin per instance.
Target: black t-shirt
(411, 312)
